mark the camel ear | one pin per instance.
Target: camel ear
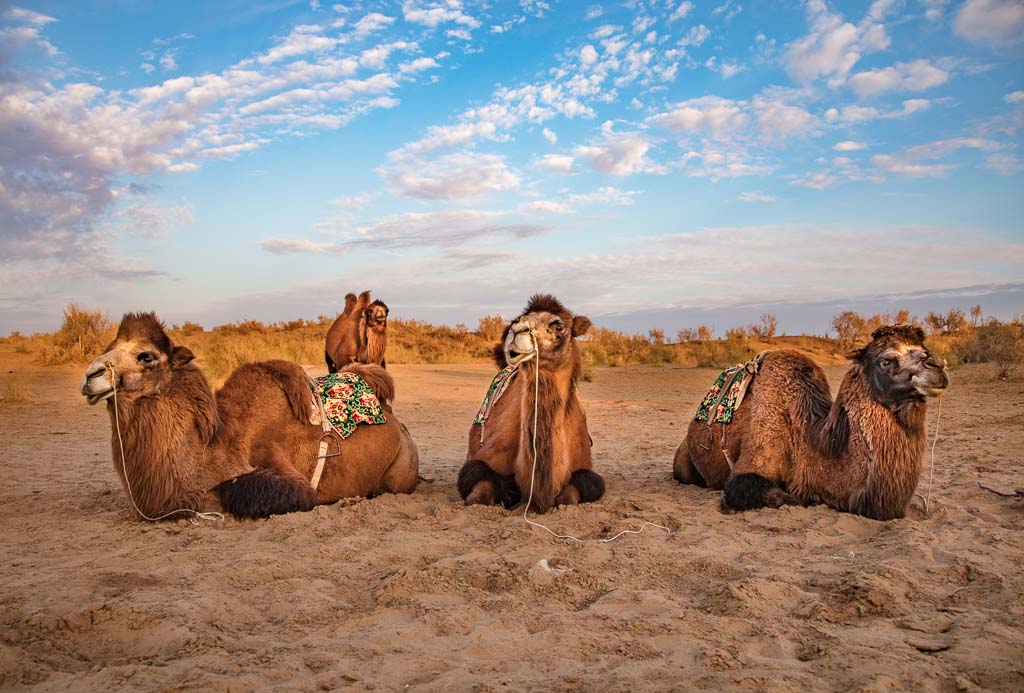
(580, 325)
(180, 356)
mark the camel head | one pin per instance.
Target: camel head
(143, 359)
(545, 330)
(898, 366)
(377, 314)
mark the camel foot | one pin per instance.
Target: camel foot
(479, 484)
(752, 491)
(265, 492)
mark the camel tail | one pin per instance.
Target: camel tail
(266, 492)
(379, 380)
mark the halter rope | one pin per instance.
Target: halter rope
(196, 515)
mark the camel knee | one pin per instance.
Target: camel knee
(479, 484)
(683, 470)
(266, 492)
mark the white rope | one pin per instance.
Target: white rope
(533, 469)
(931, 461)
(211, 517)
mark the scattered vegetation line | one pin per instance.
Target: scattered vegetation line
(956, 336)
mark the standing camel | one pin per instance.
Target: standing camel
(790, 443)
(359, 335)
(538, 352)
(253, 444)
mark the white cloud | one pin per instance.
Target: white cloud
(593, 12)
(588, 55)
(372, 23)
(834, 45)
(817, 181)
(755, 196)
(620, 154)
(461, 176)
(711, 114)
(20, 14)
(557, 163)
(849, 146)
(549, 136)
(1014, 97)
(914, 76)
(903, 167)
(1004, 164)
(290, 246)
(435, 13)
(684, 8)
(695, 36)
(548, 206)
(778, 120)
(996, 22)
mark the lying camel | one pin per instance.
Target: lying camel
(253, 444)
(790, 443)
(499, 466)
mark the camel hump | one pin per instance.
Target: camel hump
(378, 379)
(350, 303)
(291, 379)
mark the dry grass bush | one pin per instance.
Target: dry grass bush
(998, 343)
(14, 390)
(82, 335)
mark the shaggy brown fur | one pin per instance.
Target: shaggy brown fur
(182, 442)
(359, 335)
(373, 329)
(563, 464)
(791, 443)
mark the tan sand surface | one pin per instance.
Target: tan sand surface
(419, 592)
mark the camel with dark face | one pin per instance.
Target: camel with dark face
(792, 444)
(541, 345)
(359, 335)
(252, 444)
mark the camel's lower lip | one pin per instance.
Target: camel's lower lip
(98, 397)
(931, 391)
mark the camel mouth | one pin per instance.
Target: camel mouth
(514, 358)
(96, 398)
(931, 387)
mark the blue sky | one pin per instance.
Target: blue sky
(654, 164)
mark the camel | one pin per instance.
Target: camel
(359, 335)
(253, 444)
(790, 443)
(499, 466)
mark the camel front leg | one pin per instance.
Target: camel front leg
(480, 485)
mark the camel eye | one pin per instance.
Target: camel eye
(146, 358)
(557, 327)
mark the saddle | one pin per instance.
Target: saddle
(341, 401)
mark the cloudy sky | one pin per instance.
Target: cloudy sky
(649, 162)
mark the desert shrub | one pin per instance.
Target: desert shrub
(81, 336)
(999, 343)
(15, 390)
(765, 329)
(490, 328)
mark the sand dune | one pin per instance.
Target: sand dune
(421, 592)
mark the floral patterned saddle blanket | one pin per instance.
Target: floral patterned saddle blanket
(725, 396)
(346, 401)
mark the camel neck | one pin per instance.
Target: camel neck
(887, 444)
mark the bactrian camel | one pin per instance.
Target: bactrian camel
(252, 444)
(790, 443)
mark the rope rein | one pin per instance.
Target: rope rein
(195, 515)
(931, 461)
(533, 469)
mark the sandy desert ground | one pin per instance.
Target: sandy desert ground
(419, 592)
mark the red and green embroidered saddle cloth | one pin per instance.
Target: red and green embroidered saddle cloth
(725, 396)
(347, 401)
